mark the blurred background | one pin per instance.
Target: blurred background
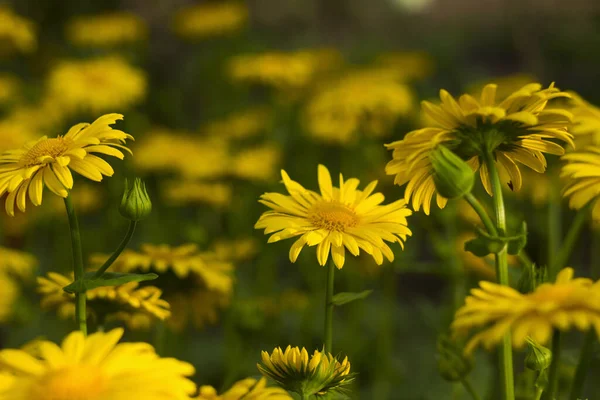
(220, 96)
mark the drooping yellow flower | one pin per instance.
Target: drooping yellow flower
(48, 162)
(198, 192)
(368, 101)
(189, 156)
(210, 19)
(582, 176)
(514, 130)
(335, 220)
(280, 70)
(10, 292)
(296, 371)
(96, 85)
(106, 30)
(246, 389)
(16, 32)
(17, 263)
(124, 302)
(496, 310)
(96, 367)
(258, 163)
(240, 125)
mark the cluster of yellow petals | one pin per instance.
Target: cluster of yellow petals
(581, 173)
(106, 29)
(210, 19)
(16, 32)
(495, 310)
(246, 389)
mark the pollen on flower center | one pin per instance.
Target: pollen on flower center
(46, 148)
(78, 382)
(333, 216)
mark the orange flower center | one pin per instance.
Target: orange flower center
(46, 148)
(333, 216)
(76, 382)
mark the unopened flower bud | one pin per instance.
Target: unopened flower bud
(452, 363)
(538, 357)
(452, 176)
(135, 204)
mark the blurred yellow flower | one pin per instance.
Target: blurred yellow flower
(246, 389)
(240, 125)
(192, 157)
(281, 70)
(368, 101)
(296, 371)
(409, 65)
(582, 176)
(506, 84)
(96, 85)
(96, 367)
(14, 135)
(124, 302)
(33, 120)
(17, 263)
(16, 32)
(106, 30)
(9, 89)
(586, 122)
(197, 192)
(10, 292)
(210, 19)
(235, 249)
(335, 220)
(48, 162)
(199, 306)
(256, 163)
(516, 129)
(497, 309)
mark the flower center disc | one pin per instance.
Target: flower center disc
(80, 382)
(333, 216)
(46, 148)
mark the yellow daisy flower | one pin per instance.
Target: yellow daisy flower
(197, 192)
(10, 292)
(96, 367)
(48, 162)
(96, 85)
(514, 130)
(257, 163)
(210, 19)
(586, 122)
(369, 101)
(335, 220)
(106, 30)
(17, 263)
(16, 32)
(296, 371)
(497, 310)
(124, 302)
(582, 175)
(246, 389)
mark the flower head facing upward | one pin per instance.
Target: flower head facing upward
(48, 162)
(334, 220)
(497, 310)
(96, 367)
(514, 130)
(582, 175)
(246, 389)
(298, 372)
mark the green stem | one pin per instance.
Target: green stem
(483, 215)
(538, 393)
(550, 394)
(585, 359)
(328, 333)
(562, 258)
(80, 298)
(524, 259)
(506, 362)
(118, 251)
(554, 226)
(469, 388)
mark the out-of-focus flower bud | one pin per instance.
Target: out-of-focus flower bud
(452, 176)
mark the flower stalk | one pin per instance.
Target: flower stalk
(118, 251)
(328, 330)
(562, 258)
(506, 363)
(80, 298)
(585, 358)
(550, 394)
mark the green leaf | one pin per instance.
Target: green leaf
(481, 246)
(347, 297)
(107, 279)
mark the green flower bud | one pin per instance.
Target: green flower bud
(538, 357)
(135, 204)
(452, 363)
(452, 176)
